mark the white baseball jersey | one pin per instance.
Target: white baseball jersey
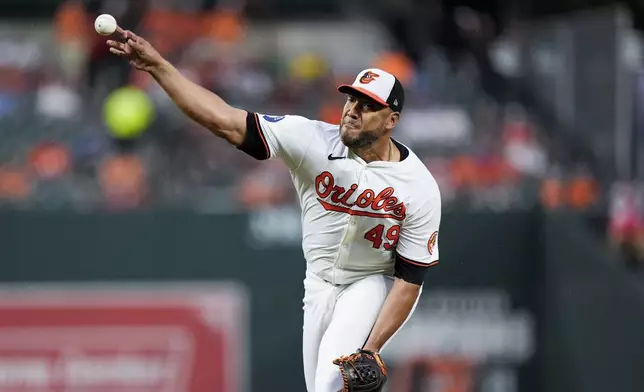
(355, 215)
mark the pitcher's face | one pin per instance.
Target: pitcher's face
(364, 121)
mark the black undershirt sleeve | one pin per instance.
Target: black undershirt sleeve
(411, 271)
(254, 143)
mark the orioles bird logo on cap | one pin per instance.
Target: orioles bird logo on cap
(368, 77)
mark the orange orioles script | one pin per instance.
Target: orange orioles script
(336, 198)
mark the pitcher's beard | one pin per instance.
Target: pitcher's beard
(364, 139)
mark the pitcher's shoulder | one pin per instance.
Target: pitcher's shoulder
(331, 130)
(421, 177)
(329, 133)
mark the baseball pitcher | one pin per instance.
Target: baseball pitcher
(370, 212)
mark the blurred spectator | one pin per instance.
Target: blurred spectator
(73, 35)
(582, 190)
(224, 25)
(521, 149)
(14, 183)
(50, 160)
(397, 64)
(265, 186)
(625, 222)
(307, 67)
(464, 172)
(551, 194)
(57, 99)
(331, 113)
(123, 182)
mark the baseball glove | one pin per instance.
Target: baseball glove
(362, 371)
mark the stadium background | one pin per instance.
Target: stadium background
(162, 258)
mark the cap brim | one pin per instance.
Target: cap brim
(349, 89)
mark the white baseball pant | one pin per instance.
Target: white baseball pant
(337, 321)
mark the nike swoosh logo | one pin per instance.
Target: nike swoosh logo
(332, 158)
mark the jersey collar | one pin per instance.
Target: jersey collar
(404, 157)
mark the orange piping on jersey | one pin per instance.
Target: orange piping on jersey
(416, 262)
(347, 210)
(261, 135)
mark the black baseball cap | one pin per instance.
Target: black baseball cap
(378, 85)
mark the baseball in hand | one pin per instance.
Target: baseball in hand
(105, 24)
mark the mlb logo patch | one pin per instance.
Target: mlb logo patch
(273, 119)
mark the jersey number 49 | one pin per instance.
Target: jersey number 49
(375, 236)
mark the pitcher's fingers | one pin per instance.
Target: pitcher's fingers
(123, 47)
(118, 52)
(120, 31)
(130, 35)
(116, 44)
(136, 44)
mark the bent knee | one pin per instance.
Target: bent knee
(328, 378)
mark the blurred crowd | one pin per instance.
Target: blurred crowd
(59, 149)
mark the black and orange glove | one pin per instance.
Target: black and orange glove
(362, 371)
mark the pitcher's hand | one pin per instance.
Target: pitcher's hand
(140, 53)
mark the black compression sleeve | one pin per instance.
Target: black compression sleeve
(254, 143)
(411, 271)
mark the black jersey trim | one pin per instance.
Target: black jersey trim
(254, 143)
(411, 271)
